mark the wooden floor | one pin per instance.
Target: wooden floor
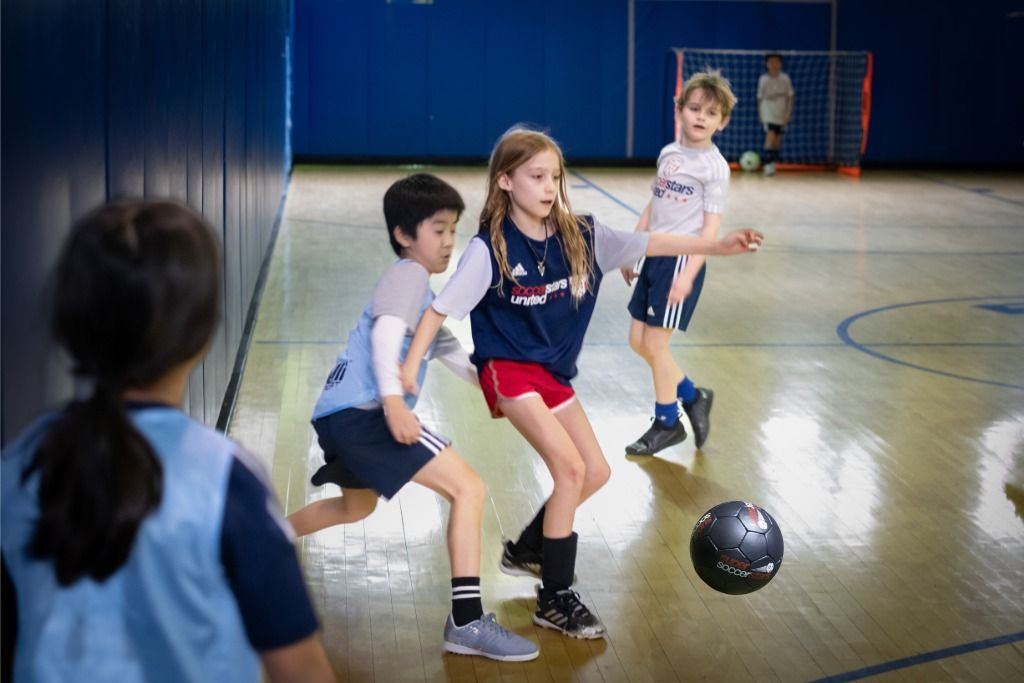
(868, 367)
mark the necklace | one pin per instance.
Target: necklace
(542, 257)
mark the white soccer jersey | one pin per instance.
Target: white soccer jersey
(690, 183)
(772, 94)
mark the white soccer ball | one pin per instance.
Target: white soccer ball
(750, 160)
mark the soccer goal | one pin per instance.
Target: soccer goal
(831, 105)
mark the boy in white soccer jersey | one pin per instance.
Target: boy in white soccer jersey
(688, 198)
(774, 109)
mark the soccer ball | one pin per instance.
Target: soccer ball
(736, 547)
(750, 160)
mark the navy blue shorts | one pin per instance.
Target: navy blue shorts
(360, 452)
(649, 303)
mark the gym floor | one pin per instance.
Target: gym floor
(867, 366)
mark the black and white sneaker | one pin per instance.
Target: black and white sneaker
(699, 413)
(516, 562)
(564, 612)
(657, 438)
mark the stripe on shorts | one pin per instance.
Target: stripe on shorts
(674, 312)
(435, 443)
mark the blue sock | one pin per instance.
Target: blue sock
(667, 414)
(686, 392)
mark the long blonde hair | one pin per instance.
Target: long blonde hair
(516, 147)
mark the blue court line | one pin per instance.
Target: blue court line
(843, 331)
(978, 192)
(914, 660)
(606, 193)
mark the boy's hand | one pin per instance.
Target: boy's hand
(681, 288)
(408, 373)
(628, 274)
(402, 424)
(740, 242)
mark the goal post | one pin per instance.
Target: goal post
(831, 103)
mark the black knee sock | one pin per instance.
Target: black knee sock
(466, 604)
(531, 537)
(559, 564)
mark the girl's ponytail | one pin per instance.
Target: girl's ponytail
(98, 479)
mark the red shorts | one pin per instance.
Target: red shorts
(509, 380)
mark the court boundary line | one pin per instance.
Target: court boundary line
(605, 192)
(843, 332)
(975, 192)
(922, 658)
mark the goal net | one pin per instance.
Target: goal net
(831, 102)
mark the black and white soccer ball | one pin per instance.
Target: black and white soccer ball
(736, 547)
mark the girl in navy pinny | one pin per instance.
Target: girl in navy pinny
(529, 281)
(138, 544)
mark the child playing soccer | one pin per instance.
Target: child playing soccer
(774, 109)
(142, 545)
(530, 280)
(372, 442)
(688, 199)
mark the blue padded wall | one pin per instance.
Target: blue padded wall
(127, 98)
(402, 80)
(406, 80)
(948, 81)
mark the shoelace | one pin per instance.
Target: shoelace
(490, 623)
(571, 599)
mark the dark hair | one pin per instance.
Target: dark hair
(414, 199)
(773, 55)
(137, 294)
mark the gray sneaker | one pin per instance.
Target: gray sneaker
(487, 638)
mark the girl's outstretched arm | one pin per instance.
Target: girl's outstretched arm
(642, 225)
(426, 330)
(736, 242)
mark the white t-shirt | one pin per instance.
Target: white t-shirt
(772, 96)
(690, 183)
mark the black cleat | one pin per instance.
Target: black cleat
(657, 438)
(520, 562)
(516, 561)
(699, 413)
(566, 613)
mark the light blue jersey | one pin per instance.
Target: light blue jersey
(402, 291)
(167, 614)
